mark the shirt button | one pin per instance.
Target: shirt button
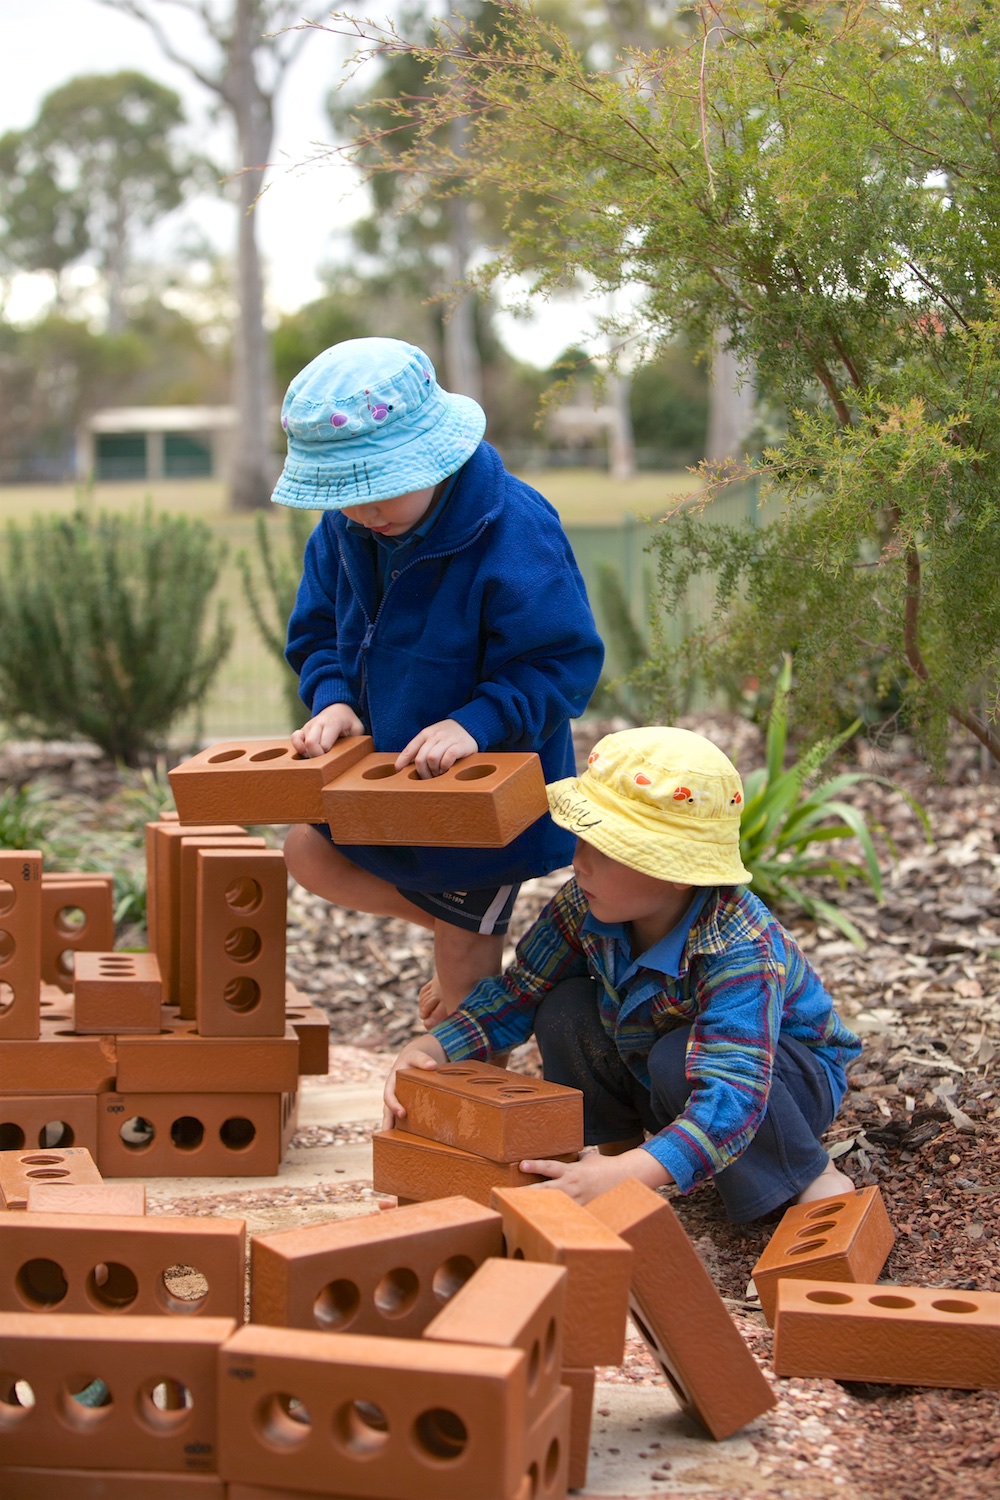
(697, 1177)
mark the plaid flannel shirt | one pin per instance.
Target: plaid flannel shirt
(741, 982)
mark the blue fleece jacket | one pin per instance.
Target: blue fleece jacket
(485, 621)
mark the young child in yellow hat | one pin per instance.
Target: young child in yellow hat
(702, 1039)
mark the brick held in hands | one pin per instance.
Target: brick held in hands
(118, 1199)
(483, 801)
(580, 1384)
(180, 1060)
(48, 1121)
(691, 1335)
(544, 1224)
(491, 1111)
(409, 1166)
(78, 916)
(138, 1360)
(163, 859)
(187, 907)
(260, 781)
(888, 1334)
(240, 943)
(382, 1417)
(20, 943)
(193, 1135)
(845, 1238)
(109, 1484)
(19, 1169)
(115, 993)
(60, 1062)
(384, 1273)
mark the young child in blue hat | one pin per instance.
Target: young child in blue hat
(442, 612)
(702, 1039)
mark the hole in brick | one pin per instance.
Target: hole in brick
(275, 753)
(455, 1072)
(16, 1399)
(441, 1433)
(182, 1289)
(242, 945)
(41, 1283)
(71, 920)
(361, 1427)
(6, 996)
(110, 962)
(48, 1174)
(534, 1366)
(337, 1304)
(241, 995)
(224, 756)
(532, 1477)
(378, 773)
(660, 1355)
(415, 776)
(187, 1133)
(548, 1357)
(900, 1302)
(7, 897)
(952, 1305)
(7, 946)
(244, 893)
(510, 1093)
(66, 962)
(518, 1254)
(474, 773)
(483, 1083)
(397, 1292)
(284, 1420)
(164, 1403)
(35, 1160)
(830, 1299)
(453, 1275)
(808, 1248)
(824, 1209)
(85, 1401)
(137, 1133)
(11, 1136)
(811, 1229)
(112, 1286)
(551, 1463)
(237, 1133)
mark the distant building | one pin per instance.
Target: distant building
(156, 442)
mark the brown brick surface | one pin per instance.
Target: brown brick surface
(312, 1027)
(109, 1484)
(544, 1224)
(692, 1337)
(893, 1334)
(77, 917)
(19, 1169)
(580, 1384)
(116, 993)
(260, 781)
(193, 1135)
(47, 1120)
(179, 1060)
(59, 1062)
(20, 943)
(119, 1199)
(387, 1417)
(165, 852)
(547, 1450)
(385, 1273)
(484, 801)
(417, 1169)
(240, 943)
(491, 1111)
(847, 1238)
(138, 1359)
(187, 915)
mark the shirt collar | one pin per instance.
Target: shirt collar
(664, 956)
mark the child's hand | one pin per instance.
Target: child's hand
(594, 1174)
(436, 748)
(420, 1052)
(322, 732)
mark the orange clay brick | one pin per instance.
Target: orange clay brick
(60, 1062)
(312, 1027)
(163, 860)
(483, 801)
(109, 1484)
(548, 1449)
(512, 1304)
(194, 1135)
(49, 1121)
(180, 1060)
(490, 1111)
(139, 1360)
(187, 913)
(78, 916)
(19, 1169)
(384, 1273)
(544, 1224)
(260, 781)
(897, 1335)
(20, 943)
(691, 1335)
(240, 942)
(119, 1199)
(847, 1238)
(411, 1167)
(386, 1417)
(580, 1384)
(116, 1264)
(116, 993)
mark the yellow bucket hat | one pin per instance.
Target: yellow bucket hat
(663, 801)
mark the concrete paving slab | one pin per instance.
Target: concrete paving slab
(642, 1445)
(340, 1103)
(303, 1167)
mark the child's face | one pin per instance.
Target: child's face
(392, 517)
(616, 893)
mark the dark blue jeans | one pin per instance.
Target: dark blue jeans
(785, 1154)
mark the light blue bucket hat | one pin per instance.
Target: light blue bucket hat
(366, 420)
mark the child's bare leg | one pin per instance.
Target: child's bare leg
(319, 866)
(618, 1148)
(828, 1184)
(461, 960)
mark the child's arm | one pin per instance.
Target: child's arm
(594, 1174)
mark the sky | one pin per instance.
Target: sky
(43, 43)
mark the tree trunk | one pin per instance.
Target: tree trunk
(731, 405)
(621, 440)
(463, 366)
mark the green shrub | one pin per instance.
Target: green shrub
(105, 629)
(272, 598)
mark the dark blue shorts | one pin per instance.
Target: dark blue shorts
(486, 910)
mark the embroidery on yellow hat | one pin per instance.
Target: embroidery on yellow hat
(661, 800)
